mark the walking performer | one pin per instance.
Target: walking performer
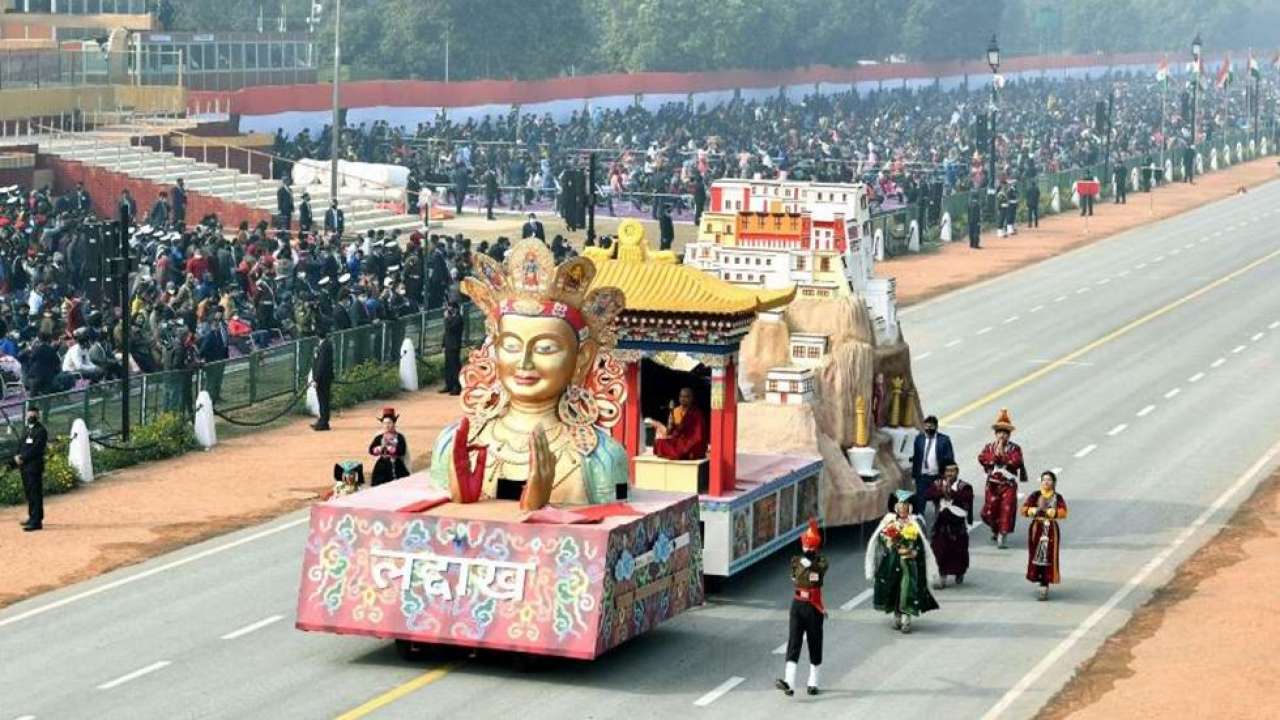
(1044, 539)
(901, 564)
(807, 611)
(953, 501)
(1001, 460)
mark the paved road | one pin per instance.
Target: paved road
(1137, 365)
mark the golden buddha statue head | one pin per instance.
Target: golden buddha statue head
(545, 332)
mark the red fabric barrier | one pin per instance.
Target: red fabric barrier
(104, 187)
(267, 100)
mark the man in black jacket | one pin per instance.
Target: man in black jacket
(454, 324)
(30, 461)
(180, 204)
(533, 228)
(334, 219)
(284, 207)
(304, 214)
(322, 374)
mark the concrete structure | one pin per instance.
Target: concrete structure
(808, 349)
(789, 385)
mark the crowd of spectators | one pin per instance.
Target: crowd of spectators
(893, 140)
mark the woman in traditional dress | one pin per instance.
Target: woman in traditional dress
(390, 448)
(953, 501)
(1002, 461)
(1044, 540)
(901, 564)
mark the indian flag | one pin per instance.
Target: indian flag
(1162, 72)
(1255, 70)
(1226, 72)
(1275, 61)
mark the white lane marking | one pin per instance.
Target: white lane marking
(1050, 660)
(1172, 393)
(1196, 378)
(134, 675)
(1117, 430)
(924, 355)
(1139, 266)
(1037, 308)
(1274, 325)
(719, 692)
(985, 330)
(1175, 251)
(860, 598)
(1011, 318)
(1146, 411)
(1217, 233)
(1085, 450)
(252, 627)
(1082, 291)
(1122, 273)
(1060, 298)
(952, 344)
(1256, 337)
(1217, 363)
(1237, 349)
(153, 571)
(1157, 259)
(1189, 245)
(26, 717)
(1103, 281)
(780, 650)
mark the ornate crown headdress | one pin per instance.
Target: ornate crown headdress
(531, 284)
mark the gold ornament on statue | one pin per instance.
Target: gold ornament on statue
(909, 410)
(895, 402)
(862, 435)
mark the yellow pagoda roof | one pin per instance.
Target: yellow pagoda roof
(653, 282)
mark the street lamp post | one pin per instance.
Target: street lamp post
(1196, 47)
(993, 60)
(335, 134)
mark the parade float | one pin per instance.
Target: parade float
(683, 328)
(525, 534)
(830, 372)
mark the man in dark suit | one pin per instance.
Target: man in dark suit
(930, 455)
(322, 374)
(974, 220)
(533, 228)
(666, 228)
(30, 461)
(180, 204)
(454, 325)
(284, 206)
(213, 350)
(304, 214)
(334, 219)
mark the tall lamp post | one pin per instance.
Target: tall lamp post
(1196, 47)
(993, 60)
(337, 66)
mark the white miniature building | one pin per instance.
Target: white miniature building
(789, 385)
(808, 349)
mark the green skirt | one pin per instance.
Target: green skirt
(902, 585)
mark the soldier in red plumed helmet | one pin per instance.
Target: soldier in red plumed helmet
(807, 611)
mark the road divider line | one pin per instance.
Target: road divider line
(1082, 290)
(1217, 363)
(397, 692)
(780, 650)
(1086, 450)
(721, 690)
(1175, 251)
(134, 675)
(985, 330)
(1011, 318)
(923, 355)
(1256, 337)
(1196, 378)
(1157, 259)
(1109, 337)
(1122, 273)
(952, 344)
(1103, 281)
(1117, 430)
(33, 612)
(1083, 629)
(1172, 393)
(1237, 349)
(856, 600)
(1146, 411)
(252, 627)
(1275, 324)
(1139, 266)
(1060, 298)
(1037, 308)
(26, 717)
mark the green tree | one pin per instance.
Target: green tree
(949, 29)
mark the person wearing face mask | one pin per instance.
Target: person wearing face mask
(1002, 461)
(808, 570)
(30, 462)
(931, 454)
(390, 449)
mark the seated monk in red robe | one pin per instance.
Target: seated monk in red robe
(684, 437)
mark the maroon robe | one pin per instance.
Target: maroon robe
(950, 539)
(1004, 472)
(1042, 557)
(686, 440)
